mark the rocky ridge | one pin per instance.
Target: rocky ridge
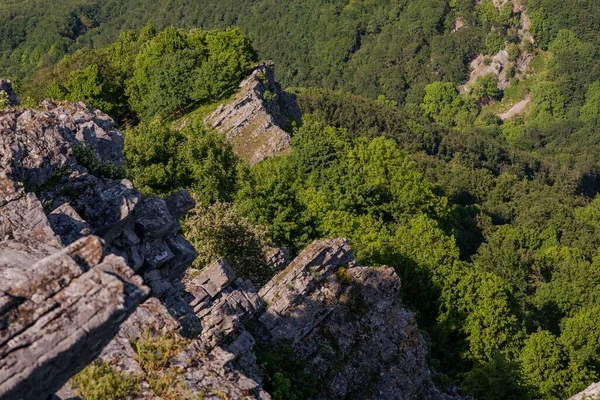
(253, 121)
(76, 241)
(345, 321)
(71, 243)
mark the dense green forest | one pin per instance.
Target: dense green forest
(368, 47)
(493, 225)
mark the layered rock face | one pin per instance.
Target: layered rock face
(592, 392)
(345, 321)
(348, 322)
(71, 243)
(60, 315)
(254, 120)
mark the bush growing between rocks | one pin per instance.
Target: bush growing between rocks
(218, 230)
(285, 378)
(104, 169)
(100, 381)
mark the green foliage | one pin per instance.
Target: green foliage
(147, 74)
(581, 340)
(86, 85)
(568, 41)
(340, 184)
(486, 90)
(268, 96)
(544, 363)
(206, 165)
(363, 117)
(153, 349)
(540, 27)
(285, 377)
(443, 104)
(269, 197)
(104, 169)
(548, 103)
(513, 51)
(163, 160)
(100, 381)
(150, 153)
(4, 103)
(153, 352)
(493, 43)
(219, 231)
(174, 70)
(498, 379)
(491, 322)
(574, 280)
(590, 112)
(87, 76)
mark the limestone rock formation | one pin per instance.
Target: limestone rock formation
(253, 122)
(349, 323)
(60, 315)
(499, 64)
(345, 320)
(70, 244)
(218, 358)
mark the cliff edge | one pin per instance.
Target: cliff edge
(92, 270)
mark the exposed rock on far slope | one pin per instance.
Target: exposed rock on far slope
(253, 122)
(517, 109)
(499, 63)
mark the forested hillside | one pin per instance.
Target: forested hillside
(457, 141)
(373, 47)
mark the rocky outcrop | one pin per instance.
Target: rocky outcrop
(349, 324)
(41, 151)
(592, 392)
(499, 64)
(345, 321)
(71, 242)
(6, 87)
(218, 358)
(59, 316)
(254, 120)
